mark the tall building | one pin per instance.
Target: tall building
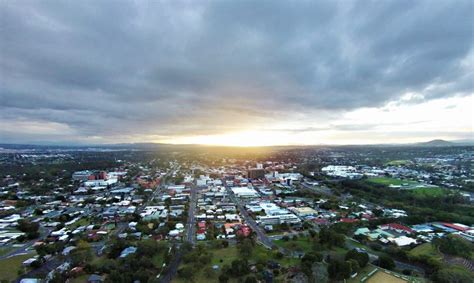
(256, 173)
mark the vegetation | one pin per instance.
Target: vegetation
(454, 245)
(10, 267)
(450, 207)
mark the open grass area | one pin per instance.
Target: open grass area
(301, 244)
(224, 256)
(390, 181)
(80, 222)
(9, 267)
(5, 250)
(426, 249)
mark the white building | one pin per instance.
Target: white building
(244, 192)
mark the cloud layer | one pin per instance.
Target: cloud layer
(106, 71)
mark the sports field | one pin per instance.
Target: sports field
(381, 276)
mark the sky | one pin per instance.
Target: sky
(236, 72)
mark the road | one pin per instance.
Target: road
(172, 269)
(261, 236)
(158, 190)
(190, 236)
(47, 267)
(28, 246)
(191, 223)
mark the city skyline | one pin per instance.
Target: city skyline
(236, 73)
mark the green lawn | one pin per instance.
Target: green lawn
(390, 181)
(301, 244)
(426, 249)
(80, 222)
(224, 256)
(5, 250)
(9, 267)
(429, 192)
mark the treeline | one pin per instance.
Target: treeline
(451, 207)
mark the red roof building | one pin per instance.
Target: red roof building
(201, 227)
(244, 231)
(396, 227)
(454, 226)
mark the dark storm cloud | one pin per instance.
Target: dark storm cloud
(176, 68)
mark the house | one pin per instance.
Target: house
(127, 251)
(362, 231)
(200, 237)
(456, 226)
(422, 228)
(397, 228)
(244, 231)
(201, 227)
(403, 241)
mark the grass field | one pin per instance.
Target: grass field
(426, 249)
(225, 256)
(384, 277)
(429, 192)
(301, 244)
(9, 267)
(5, 250)
(390, 181)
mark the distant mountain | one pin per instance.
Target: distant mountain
(436, 143)
(464, 142)
(166, 146)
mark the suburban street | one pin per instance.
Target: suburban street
(191, 223)
(261, 236)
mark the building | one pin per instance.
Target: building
(256, 173)
(244, 192)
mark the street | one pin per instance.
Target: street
(191, 223)
(261, 236)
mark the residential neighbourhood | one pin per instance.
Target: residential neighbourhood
(71, 225)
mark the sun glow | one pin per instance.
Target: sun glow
(244, 138)
(393, 123)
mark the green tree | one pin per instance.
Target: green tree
(361, 257)
(245, 248)
(386, 262)
(453, 274)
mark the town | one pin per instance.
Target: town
(273, 214)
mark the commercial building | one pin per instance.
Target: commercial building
(244, 192)
(256, 173)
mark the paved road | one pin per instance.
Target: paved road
(158, 190)
(261, 236)
(47, 267)
(191, 223)
(28, 246)
(172, 269)
(189, 236)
